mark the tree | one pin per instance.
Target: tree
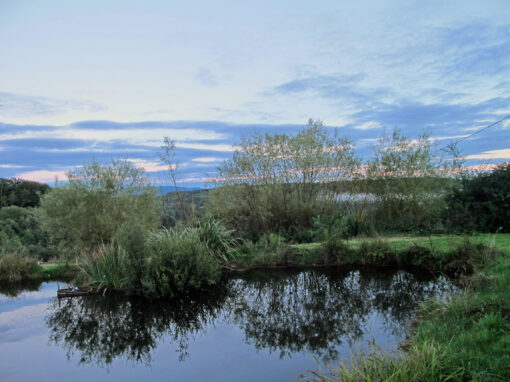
(405, 179)
(167, 155)
(96, 202)
(279, 182)
(21, 193)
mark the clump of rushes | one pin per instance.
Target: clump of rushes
(105, 267)
(14, 266)
(218, 239)
(179, 261)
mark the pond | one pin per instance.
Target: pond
(258, 326)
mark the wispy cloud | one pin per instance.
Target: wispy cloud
(19, 105)
(491, 154)
(206, 77)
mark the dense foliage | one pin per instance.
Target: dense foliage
(160, 262)
(21, 193)
(482, 202)
(98, 200)
(20, 232)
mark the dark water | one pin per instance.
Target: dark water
(261, 326)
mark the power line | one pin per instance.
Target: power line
(482, 129)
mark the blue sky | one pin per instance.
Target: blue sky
(109, 79)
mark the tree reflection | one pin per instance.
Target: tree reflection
(14, 289)
(103, 328)
(312, 311)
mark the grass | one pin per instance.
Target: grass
(48, 271)
(465, 338)
(439, 242)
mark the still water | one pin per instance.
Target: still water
(259, 326)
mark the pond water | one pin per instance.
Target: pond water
(259, 326)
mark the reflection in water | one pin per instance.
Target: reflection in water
(14, 289)
(312, 311)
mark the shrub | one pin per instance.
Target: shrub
(418, 255)
(466, 257)
(20, 231)
(179, 261)
(376, 251)
(14, 266)
(335, 250)
(482, 202)
(272, 249)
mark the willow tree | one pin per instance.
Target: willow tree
(406, 178)
(277, 181)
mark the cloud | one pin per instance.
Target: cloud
(206, 77)
(338, 87)
(9, 165)
(476, 48)
(148, 165)
(491, 154)
(43, 176)
(207, 159)
(205, 146)
(369, 125)
(19, 105)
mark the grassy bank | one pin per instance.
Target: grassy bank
(465, 338)
(454, 255)
(15, 267)
(451, 254)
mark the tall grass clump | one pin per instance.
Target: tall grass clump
(105, 267)
(14, 266)
(179, 261)
(218, 239)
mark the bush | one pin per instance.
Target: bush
(482, 202)
(336, 250)
(376, 252)
(269, 250)
(21, 193)
(179, 261)
(419, 256)
(14, 266)
(20, 231)
(467, 257)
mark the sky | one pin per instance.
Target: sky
(103, 80)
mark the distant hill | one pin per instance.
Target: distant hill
(166, 189)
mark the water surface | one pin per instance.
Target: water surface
(259, 326)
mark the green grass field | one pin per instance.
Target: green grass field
(439, 242)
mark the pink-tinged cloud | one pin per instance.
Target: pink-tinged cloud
(43, 176)
(492, 154)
